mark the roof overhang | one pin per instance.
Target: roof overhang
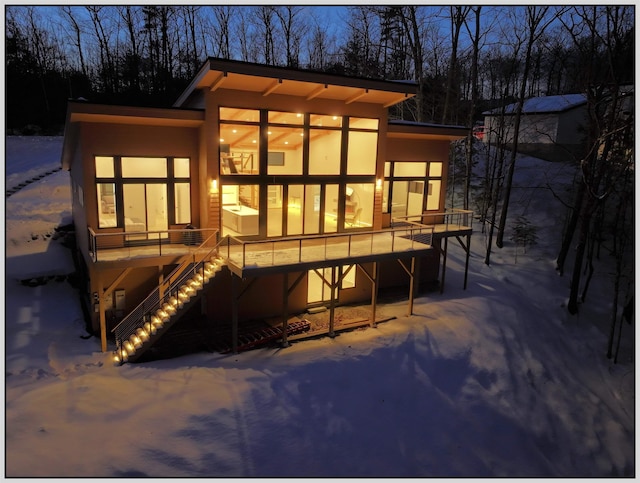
(415, 130)
(107, 114)
(265, 79)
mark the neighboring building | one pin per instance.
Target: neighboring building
(551, 127)
(264, 191)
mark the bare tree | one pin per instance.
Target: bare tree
(604, 38)
(107, 65)
(458, 18)
(292, 26)
(475, 37)
(222, 30)
(133, 25)
(536, 21)
(70, 16)
(411, 22)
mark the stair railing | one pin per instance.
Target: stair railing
(188, 268)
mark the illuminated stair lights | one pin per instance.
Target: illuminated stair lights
(144, 334)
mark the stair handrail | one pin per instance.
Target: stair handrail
(188, 267)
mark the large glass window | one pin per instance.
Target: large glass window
(295, 205)
(285, 150)
(277, 117)
(144, 167)
(142, 194)
(240, 210)
(106, 205)
(239, 141)
(274, 210)
(294, 173)
(311, 209)
(363, 149)
(331, 208)
(363, 146)
(104, 167)
(182, 203)
(410, 188)
(358, 212)
(324, 152)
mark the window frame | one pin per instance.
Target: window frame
(118, 181)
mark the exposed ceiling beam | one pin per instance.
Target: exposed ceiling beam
(399, 99)
(218, 82)
(354, 98)
(272, 87)
(317, 91)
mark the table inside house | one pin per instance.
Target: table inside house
(241, 219)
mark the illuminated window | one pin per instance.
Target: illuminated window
(410, 188)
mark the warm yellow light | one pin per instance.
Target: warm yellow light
(254, 141)
(378, 183)
(214, 186)
(221, 140)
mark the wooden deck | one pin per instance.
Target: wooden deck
(298, 253)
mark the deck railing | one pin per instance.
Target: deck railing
(133, 244)
(452, 219)
(312, 248)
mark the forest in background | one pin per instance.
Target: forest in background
(464, 59)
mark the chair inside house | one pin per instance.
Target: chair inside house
(108, 204)
(354, 219)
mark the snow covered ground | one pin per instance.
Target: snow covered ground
(496, 380)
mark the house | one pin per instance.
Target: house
(551, 127)
(262, 192)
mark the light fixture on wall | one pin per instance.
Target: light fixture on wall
(378, 184)
(214, 187)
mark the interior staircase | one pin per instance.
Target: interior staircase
(140, 329)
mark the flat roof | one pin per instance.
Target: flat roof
(266, 79)
(420, 130)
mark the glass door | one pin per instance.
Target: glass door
(145, 210)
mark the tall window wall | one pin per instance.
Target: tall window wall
(289, 174)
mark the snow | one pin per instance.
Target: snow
(544, 104)
(497, 380)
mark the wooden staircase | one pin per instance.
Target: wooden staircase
(164, 306)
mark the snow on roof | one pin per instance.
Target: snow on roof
(538, 105)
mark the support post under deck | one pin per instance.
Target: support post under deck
(412, 284)
(374, 292)
(102, 315)
(234, 313)
(285, 308)
(332, 304)
(466, 263)
(444, 263)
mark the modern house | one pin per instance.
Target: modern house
(263, 192)
(551, 127)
